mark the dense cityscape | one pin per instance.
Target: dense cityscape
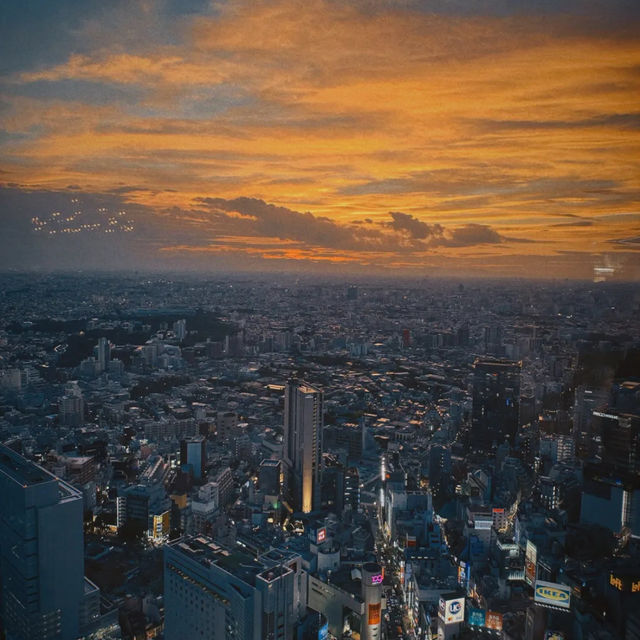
(280, 457)
(319, 320)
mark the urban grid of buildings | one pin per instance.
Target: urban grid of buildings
(243, 458)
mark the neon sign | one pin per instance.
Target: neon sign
(624, 583)
(615, 582)
(377, 578)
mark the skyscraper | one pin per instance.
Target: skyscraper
(496, 399)
(610, 500)
(620, 440)
(193, 454)
(41, 552)
(103, 354)
(302, 450)
(332, 493)
(180, 329)
(352, 488)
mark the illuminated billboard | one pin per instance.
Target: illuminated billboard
(551, 594)
(405, 573)
(374, 614)
(451, 611)
(463, 575)
(322, 534)
(530, 560)
(493, 621)
(161, 525)
(476, 617)
(623, 582)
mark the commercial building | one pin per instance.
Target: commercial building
(193, 456)
(102, 353)
(611, 501)
(217, 593)
(204, 508)
(270, 473)
(496, 399)
(71, 406)
(371, 625)
(343, 599)
(620, 440)
(41, 552)
(352, 488)
(147, 508)
(303, 422)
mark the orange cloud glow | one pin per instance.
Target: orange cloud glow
(526, 124)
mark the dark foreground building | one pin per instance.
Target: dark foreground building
(496, 402)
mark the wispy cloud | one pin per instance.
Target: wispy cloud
(474, 123)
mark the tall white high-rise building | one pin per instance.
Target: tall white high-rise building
(302, 447)
(103, 354)
(180, 329)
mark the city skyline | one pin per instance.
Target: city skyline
(254, 457)
(409, 138)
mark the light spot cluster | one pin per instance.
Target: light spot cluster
(98, 220)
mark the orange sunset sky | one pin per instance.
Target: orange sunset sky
(445, 137)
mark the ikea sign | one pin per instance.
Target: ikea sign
(552, 594)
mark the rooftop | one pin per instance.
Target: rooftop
(208, 553)
(22, 470)
(26, 473)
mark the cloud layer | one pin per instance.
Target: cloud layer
(393, 132)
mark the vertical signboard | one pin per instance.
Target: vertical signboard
(530, 561)
(493, 621)
(463, 574)
(405, 574)
(477, 617)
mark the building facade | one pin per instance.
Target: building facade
(218, 593)
(41, 552)
(496, 400)
(303, 423)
